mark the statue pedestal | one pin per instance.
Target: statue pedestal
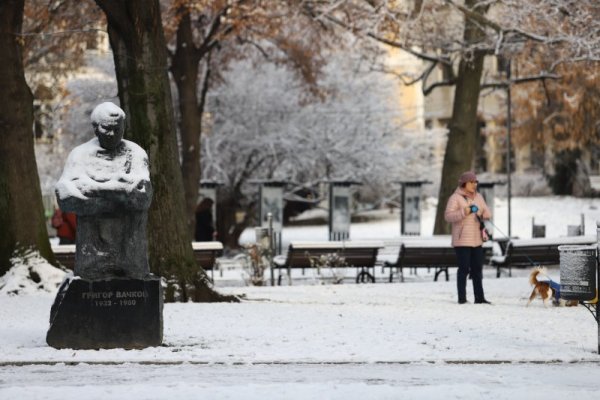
(105, 314)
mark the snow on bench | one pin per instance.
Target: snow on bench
(534, 252)
(206, 253)
(355, 254)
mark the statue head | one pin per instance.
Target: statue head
(108, 121)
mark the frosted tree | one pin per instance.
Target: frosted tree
(204, 35)
(266, 126)
(559, 118)
(456, 36)
(55, 37)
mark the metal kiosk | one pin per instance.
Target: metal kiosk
(271, 202)
(340, 209)
(410, 214)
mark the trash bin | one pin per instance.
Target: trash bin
(577, 272)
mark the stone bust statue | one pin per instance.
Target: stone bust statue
(106, 182)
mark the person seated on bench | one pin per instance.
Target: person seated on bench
(464, 209)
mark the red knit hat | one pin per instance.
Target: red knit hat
(468, 176)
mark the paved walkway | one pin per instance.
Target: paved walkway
(301, 381)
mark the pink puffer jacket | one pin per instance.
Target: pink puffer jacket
(465, 228)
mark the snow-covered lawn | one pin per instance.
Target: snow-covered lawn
(399, 322)
(398, 340)
(337, 341)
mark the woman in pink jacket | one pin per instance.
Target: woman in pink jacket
(462, 210)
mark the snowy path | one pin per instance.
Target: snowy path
(365, 381)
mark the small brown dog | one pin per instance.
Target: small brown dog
(546, 289)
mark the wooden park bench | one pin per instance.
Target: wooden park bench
(534, 252)
(65, 255)
(205, 253)
(427, 252)
(353, 254)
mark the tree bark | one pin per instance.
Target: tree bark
(137, 40)
(228, 228)
(22, 219)
(462, 135)
(571, 175)
(184, 66)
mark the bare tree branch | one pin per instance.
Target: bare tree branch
(392, 43)
(525, 79)
(427, 90)
(504, 33)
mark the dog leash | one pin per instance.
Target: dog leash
(533, 263)
(482, 225)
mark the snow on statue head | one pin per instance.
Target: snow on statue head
(108, 121)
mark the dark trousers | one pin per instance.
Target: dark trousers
(470, 262)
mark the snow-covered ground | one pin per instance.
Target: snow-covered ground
(397, 340)
(381, 341)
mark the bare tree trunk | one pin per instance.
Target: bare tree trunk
(571, 175)
(185, 62)
(139, 48)
(228, 229)
(462, 136)
(184, 67)
(22, 219)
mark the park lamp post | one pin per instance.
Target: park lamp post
(508, 143)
